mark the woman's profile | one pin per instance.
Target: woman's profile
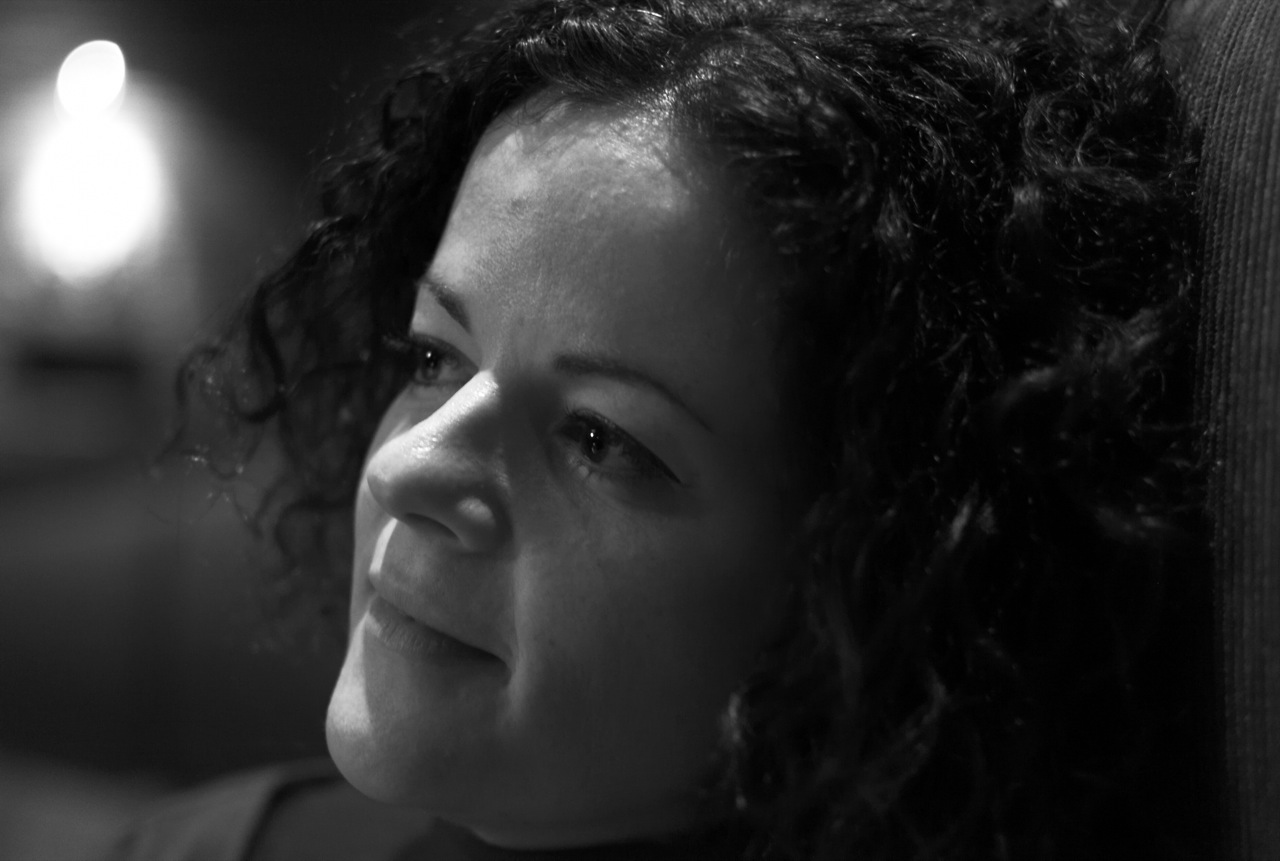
(734, 428)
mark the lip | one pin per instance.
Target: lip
(404, 634)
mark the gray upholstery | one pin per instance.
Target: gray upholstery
(1232, 78)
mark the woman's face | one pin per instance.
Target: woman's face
(570, 526)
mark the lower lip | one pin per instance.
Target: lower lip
(400, 633)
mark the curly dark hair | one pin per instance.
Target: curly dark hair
(984, 214)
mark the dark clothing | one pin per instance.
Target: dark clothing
(307, 812)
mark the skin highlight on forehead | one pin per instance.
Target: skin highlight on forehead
(629, 158)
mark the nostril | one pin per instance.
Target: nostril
(478, 512)
(469, 521)
(439, 492)
(445, 468)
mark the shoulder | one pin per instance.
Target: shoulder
(282, 813)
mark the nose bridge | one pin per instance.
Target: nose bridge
(446, 470)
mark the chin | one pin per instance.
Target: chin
(373, 761)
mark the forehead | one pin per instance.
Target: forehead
(578, 185)
(610, 155)
(595, 215)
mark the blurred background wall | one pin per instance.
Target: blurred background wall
(131, 657)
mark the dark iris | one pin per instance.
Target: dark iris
(421, 360)
(598, 440)
(594, 445)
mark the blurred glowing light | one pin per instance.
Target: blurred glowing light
(92, 191)
(91, 195)
(91, 79)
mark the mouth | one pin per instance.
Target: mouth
(404, 634)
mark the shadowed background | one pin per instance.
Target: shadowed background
(131, 651)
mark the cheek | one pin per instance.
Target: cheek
(707, 610)
(634, 622)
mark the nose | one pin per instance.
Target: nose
(444, 472)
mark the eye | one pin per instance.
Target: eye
(425, 361)
(600, 447)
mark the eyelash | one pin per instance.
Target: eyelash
(421, 359)
(585, 429)
(424, 360)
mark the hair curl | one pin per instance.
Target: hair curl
(984, 214)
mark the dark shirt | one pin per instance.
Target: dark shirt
(307, 812)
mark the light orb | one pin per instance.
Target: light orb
(91, 195)
(91, 79)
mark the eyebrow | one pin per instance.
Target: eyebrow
(450, 301)
(591, 365)
(571, 364)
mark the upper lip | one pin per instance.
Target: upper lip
(387, 588)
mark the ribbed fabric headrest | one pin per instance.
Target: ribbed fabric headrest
(1232, 79)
